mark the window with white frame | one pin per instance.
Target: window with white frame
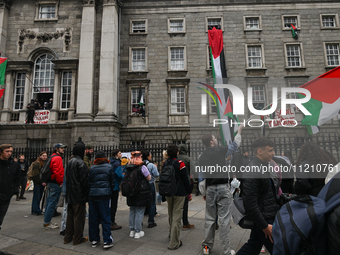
(252, 23)
(213, 107)
(134, 99)
(178, 100)
(214, 22)
(138, 59)
(254, 56)
(138, 26)
(66, 83)
(19, 91)
(44, 74)
(332, 53)
(293, 55)
(258, 97)
(177, 58)
(176, 25)
(47, 11)
(289, 20)
(329, 21)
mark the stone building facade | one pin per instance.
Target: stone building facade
(93, 57)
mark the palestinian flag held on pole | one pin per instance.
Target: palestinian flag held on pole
(324, 104)
(220, 74)
(3, 65)
(294, 32)
(140, 96)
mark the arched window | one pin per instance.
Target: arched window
(43, 78)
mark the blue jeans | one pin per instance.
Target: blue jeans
(53, 194)
(152, 210)
(37, 195)
(136, 218)
(100, 211)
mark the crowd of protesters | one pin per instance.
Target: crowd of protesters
(97, 182)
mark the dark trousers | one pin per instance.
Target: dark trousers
(37, 195)
(114, 204)
(255, 242)
(30, 116)
(185, 211)
(75, 223)
(23, 183)
(3, 210)
(152, 208)
(99, 211)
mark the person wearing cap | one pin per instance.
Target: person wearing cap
(102, 183)
(76, 195)
(88, 155)
(54, 185)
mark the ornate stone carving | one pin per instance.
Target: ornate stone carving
(44, 36)
(89, 2)
(109, 1)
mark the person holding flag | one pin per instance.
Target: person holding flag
(141, 102)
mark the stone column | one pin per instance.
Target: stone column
(73, 89)
(86, 62)
(8, 98)
(4, 10)
(27, 95)
(56, 97)
(108, 82)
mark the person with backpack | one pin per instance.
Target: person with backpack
(38, 187)
(102, 183)
(179, 187)
(260, 198)
(146, 156)
(54, 183)
(137, 190)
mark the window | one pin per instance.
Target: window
(214, 22)
(176, 25)
(332, 53)
(178, 100)
(329, 21)
(66, 90)
(19, 91)
(47, 10)
(138, 59)
(252, 23)
(288, 20)
(138, 26)
(254, 56)
(135, 98)
(213, 107)
(258, 97)
(293, 55)
(44, 74)
(177, 58)
(209, 62)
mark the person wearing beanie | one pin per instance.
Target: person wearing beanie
(76, 195)
(102, 183)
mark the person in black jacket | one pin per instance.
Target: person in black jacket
(260, 199)
(102, 183)
(76, 195)
(175, 203)
(9, 180)
(23, 180)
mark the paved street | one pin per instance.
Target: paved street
(22, 233)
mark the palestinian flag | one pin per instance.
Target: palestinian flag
(325, 99)
(219, 74)
(294, 32)
(3, 64)
(140, 95)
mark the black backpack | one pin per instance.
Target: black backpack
(167, 181)
(130, 185)
(45, 172)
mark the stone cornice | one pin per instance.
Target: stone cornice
(5, 4)
(19, 65)
(71, 64)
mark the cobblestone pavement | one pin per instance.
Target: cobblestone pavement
(22, 233)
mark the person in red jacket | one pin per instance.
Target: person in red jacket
(54, 185)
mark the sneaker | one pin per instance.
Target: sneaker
(107, 245)
(188, 227)
(114, 226)
(95, 244)
(132, 233)
(206, 250)
(50, 226)
(151, 225)
(139, 234)
(232, 252)
(263, 249)
(62, 233)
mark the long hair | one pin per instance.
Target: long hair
(41, 162)
(311, 152)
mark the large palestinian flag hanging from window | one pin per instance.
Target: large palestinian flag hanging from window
(3, 65)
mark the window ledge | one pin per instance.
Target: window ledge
(295, 67)
(330, 28)
(183, 32)
(169, 71)
(178, 114)
(55, 19)
(250, 30)
(290, 29)
(138, 33)
(138, 71)
(256, 68)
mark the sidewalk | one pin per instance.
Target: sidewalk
(22, 233)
